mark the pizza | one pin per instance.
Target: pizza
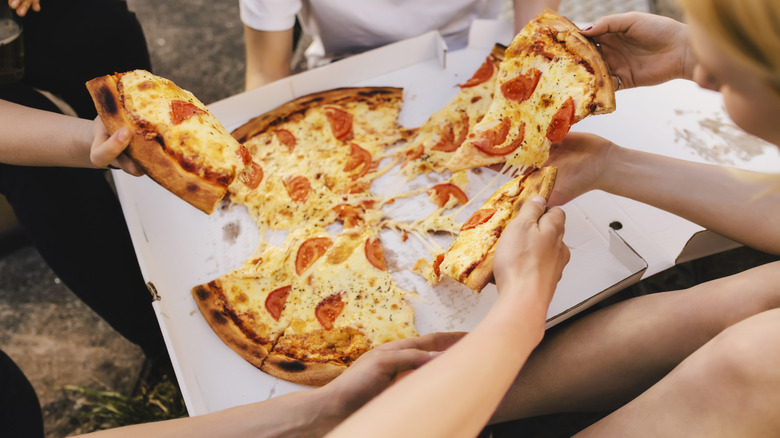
(174, 138)
(469, 260)
(446, 129)
(551, 77)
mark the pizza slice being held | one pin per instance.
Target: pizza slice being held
(551, 77)
(175, 139)
(469, 260)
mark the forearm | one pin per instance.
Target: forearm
(739, 204)
(456, 393)
(268, 56)
(299, 414)
(40, 138)
(526, 10)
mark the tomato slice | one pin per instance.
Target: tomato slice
(340, 122)
(437, 265)
(358, 157)
(244, 154)
(522, 86)
(286, 138)
(298, 187)
(181, 111)
(375, 253)
(328, 310)
(276, 300)
(489, 140)
(440, 194)
(413, 154)
(309, 251)
(483, 73)
(252, 175)
(448, 142)
(478, 218)
(349, 215)
(562, 121)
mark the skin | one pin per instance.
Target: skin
(23, 6)
(694, 362)
(268, 53)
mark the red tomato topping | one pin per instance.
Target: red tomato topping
(328, 310)
(375, 253)
(483, 73)
(413, 154)
(437, 264)
(478, 218)
(562, 121)
(447, 141)
(521, 87)
(358, 157)
(298, 187)
(275, 301)
(181, 111)
(252, 175)
(340, 122)
(286, 138)
(310, 251)
(349, 215)
(488, 141)
(244, 154)
(440, 194)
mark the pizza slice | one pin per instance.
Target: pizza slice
(469, 259)
(551, 77)
(346, 302)
(175, 139)
(446, 129)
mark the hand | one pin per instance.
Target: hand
(531, 250)
(22, 6)
(107, 150)
(377, 369)
(643, 49)
(581, 160)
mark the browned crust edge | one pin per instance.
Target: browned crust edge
(585, 48)
(149, 153)
(309, 373)
(299, 106)
(540, 182)
(212, 307)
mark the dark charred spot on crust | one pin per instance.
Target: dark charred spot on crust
(476, 99)
(218, 317)
(293, 366)
(192, 188)
(468, 270)
(202, 293)
(587, 66)
(107, 101)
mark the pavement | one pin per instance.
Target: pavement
(54, 337)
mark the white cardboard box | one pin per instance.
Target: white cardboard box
(178, 247)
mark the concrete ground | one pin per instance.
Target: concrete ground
(55, 338)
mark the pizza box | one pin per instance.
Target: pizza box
(614, 242)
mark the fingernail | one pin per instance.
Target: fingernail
(587, 28)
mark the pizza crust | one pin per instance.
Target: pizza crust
(209, 299)
(302, 372)
(148, 150)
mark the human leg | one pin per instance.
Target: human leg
(20, 410)
(608, 357)
(729, 387)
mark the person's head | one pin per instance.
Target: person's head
(737, 45)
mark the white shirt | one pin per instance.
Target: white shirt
(340, 28)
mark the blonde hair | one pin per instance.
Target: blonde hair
(749, 30)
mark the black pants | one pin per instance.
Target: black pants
(72, 215)
(20, 411)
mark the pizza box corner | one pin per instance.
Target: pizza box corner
(178, 247)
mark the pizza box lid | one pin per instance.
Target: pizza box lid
(178, 247)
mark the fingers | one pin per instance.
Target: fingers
(23, 6)
(104, 151)
(431, 342)
(616, 23)
(532, 210)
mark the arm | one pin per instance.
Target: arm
(739, 204)
(304, 413)
(268, 55)
(526, 10)
(643, 49)
(455, 394)
(31, 137)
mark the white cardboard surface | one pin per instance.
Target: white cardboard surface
(178, 247)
